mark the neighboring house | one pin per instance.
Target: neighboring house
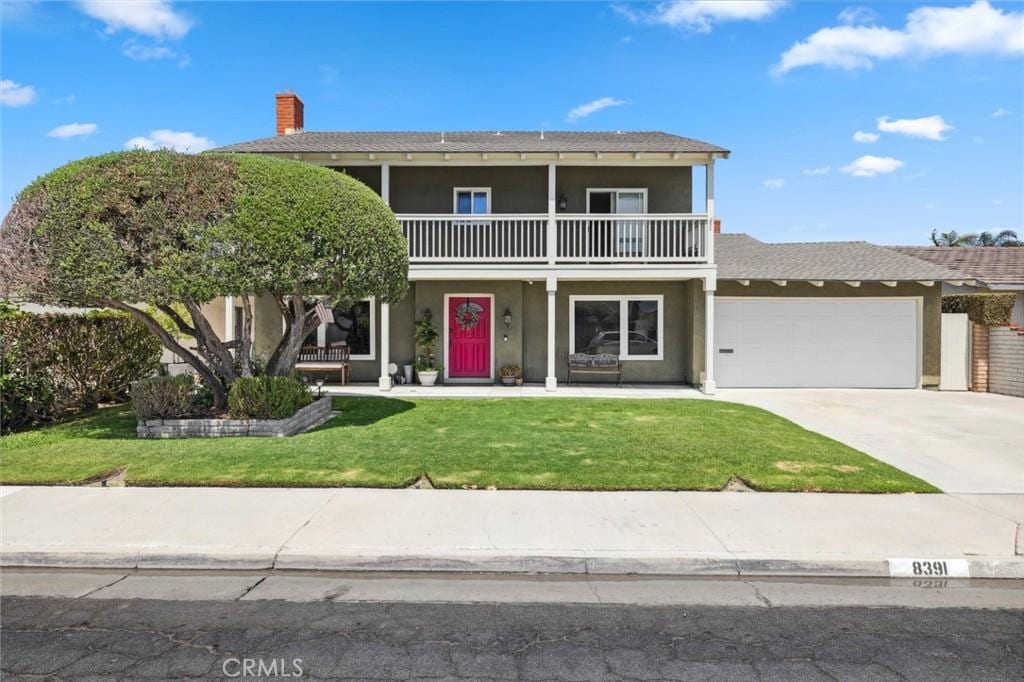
(994, 268)
(529, 246)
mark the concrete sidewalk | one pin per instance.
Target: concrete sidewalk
(667, 533)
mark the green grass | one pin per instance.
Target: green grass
(550, 444)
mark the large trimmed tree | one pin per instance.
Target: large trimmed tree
(158, 234)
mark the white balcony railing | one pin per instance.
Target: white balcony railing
(577, 238)
(488, 238)
(646, 238)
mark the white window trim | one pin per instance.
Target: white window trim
(616, 190)
(455, 199)
(623, 300)
(321, 333)
(445, 342)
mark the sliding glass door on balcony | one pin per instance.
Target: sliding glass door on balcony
(628, 236)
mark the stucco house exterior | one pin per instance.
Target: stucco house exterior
(530, 246)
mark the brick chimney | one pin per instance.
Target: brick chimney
(289, 113)
(716, 226)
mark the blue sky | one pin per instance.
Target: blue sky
(936, 91)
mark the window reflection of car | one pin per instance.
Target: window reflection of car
(608, 342)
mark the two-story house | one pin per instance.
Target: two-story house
(531, 246)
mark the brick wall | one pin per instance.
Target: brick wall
(979, 358)
(1006, 361)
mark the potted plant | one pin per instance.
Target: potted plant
(509, 375)
(426, 337)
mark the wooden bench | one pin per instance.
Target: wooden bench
(595, 363)
(330, 359)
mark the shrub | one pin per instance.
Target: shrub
(57, 364)
(991, 310)
(26, 396)
(267, 397)
(165, 397)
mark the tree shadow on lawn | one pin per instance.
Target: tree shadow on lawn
(363, 412)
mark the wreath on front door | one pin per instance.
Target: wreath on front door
(467, 315)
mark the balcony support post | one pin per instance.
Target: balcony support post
(552, 236)
(385, 182)
(709, 189)
(384, 383)
(550, 381)
(707, 384)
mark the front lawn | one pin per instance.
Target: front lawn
(543, 443)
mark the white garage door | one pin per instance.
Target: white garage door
(816, 343)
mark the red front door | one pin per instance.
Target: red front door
(469, 337)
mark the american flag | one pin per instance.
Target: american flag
(323, 313)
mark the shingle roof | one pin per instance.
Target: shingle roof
(740, 256)
(993, 265)
(483, 141)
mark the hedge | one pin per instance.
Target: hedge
(56, 364)
(991, 310)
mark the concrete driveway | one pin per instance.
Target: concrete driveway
(959, 442)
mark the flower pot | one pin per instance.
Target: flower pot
(508, 381)
(519, 381)
(427, 377)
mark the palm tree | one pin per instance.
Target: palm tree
(951, 238)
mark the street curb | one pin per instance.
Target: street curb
(1011, 568)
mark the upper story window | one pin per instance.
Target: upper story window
(472, 200)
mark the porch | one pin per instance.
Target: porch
(527, 390)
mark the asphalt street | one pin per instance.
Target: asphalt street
(147, 638)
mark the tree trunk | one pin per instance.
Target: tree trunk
(210, 345)
(216, 384)
(245, 347)
(299, 323)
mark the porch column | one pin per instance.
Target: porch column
(552, 240)
(229, 318)
(709, 197)
(550, 382)
(708, 384)
(384, 383)
(385, 183)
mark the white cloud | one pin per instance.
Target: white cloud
(929, 31)
(15, 94)
(701, 15)
(155, 18)
(928, 127)
(73, 130)
(1000, 112)
(857, 15)
(774, 183)
(584, 110)
(868, 166)
(865, 138)
(140, 52)
(823, 170)
(179, 141)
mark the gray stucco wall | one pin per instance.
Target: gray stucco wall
(429, 189)
(368, 175)
(669, 189)
(524, 189)
(931, 309)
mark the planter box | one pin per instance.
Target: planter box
(309, 416)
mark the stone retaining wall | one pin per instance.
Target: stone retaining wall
(1006, 361)
(306, 418)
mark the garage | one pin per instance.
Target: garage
(817, 342)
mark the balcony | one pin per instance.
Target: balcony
(576, 238)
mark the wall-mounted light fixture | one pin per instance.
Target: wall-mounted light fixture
(508, 322)
(562, 202)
